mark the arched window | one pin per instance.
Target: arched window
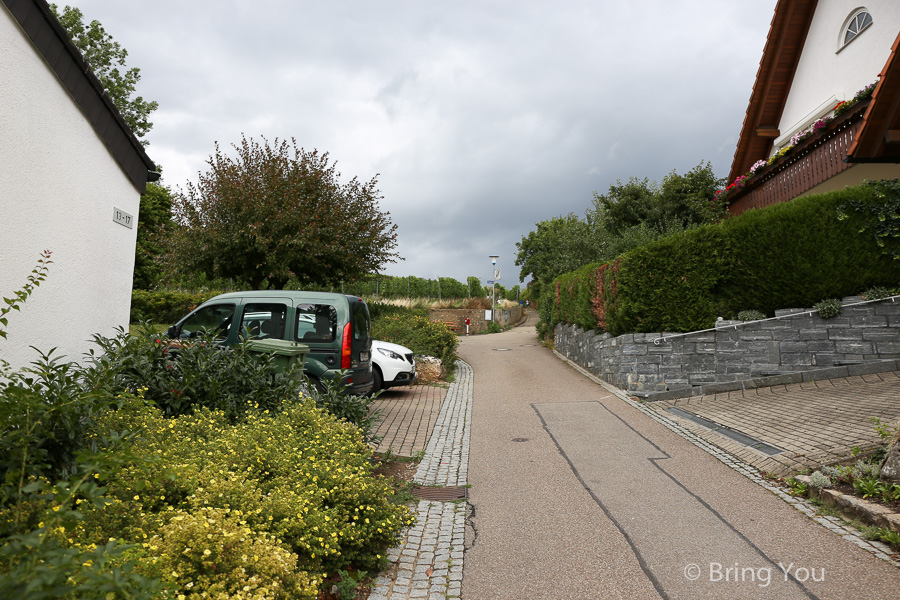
(856, 24)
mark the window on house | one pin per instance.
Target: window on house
(855, 25)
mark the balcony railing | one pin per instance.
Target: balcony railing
(813, 161)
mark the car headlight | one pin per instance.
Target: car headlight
(390, 353)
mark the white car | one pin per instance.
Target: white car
(392, 364)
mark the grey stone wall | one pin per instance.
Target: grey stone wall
(794, 342)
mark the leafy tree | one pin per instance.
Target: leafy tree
(626, 205)
(276, 211)
(154, 220)
(678, 202)
(512, 293)
(475, 288)
(106, 57)
(556, 246)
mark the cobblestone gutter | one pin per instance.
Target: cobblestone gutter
(429, 562)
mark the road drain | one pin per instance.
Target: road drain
(440, 494)
(727, 432)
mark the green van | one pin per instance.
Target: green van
(336, 327)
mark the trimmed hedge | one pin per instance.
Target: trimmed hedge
(165, 306)
(789, 255)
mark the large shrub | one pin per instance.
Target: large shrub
(233, 379)
(413, 329)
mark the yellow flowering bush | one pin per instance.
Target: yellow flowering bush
(210, 554)
(299, 481)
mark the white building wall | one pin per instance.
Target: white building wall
(59, 186)
(827, 74)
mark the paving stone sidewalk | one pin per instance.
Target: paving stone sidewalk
(814, 423)
(429, 562)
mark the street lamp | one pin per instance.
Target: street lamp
(493, 283)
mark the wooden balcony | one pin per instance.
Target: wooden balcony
(813, 161)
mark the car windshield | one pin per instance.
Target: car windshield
(214, 319)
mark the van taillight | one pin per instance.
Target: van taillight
(345, 348)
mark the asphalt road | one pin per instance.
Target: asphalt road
(575, 494)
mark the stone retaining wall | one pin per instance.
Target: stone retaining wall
(797, 341)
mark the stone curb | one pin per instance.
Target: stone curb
(833, 524)
(429, 560)
(852, 506)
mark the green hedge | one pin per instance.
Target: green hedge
(789, 255)
(165, 306)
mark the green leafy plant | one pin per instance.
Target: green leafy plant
(299, 222)
(880, 220)
(38, 275)
(866, 487)
(885, 432)
(877, 293)
(353, 409)
(797, 487)
(347, 586)
(889, 492)
(46, 411)
(39, 557)
(888, 536)
(828, 309)
(751, 315)
(791, 254)
(299, 475)
(192, 374)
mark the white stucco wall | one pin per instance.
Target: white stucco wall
(825, 76)
(58, 188)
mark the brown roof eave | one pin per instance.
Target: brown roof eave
(784, 44)
(52, 42)
(876, 140)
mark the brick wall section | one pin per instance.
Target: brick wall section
(504, 316)
(689, 364)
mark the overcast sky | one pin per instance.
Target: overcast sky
(479, 118)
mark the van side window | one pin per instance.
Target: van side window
(264, 321)
(362, 326)
(215, 319)
(316, 323)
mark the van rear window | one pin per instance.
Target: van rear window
(362, 325)
(316, 323)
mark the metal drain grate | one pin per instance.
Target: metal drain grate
(727, 432)
(440, 493)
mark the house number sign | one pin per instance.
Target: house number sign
(123, 218)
